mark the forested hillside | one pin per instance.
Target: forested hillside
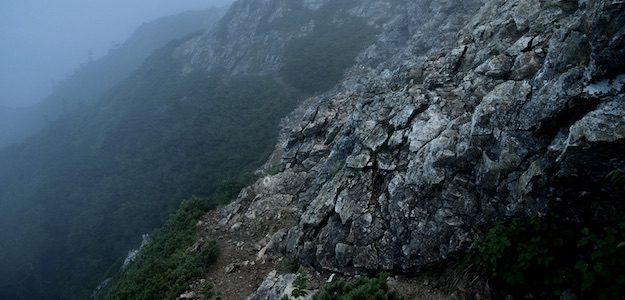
(87, 187)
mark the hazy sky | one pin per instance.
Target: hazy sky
(42, 41)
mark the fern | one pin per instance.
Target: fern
(617, 178)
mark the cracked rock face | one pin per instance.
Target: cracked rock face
(413, 157)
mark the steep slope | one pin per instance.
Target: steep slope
(76, 196)
(92, 80)
(519, 113)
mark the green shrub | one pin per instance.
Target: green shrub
(617, 178)
(165, 267)
(545, 257)
(359, 289)
(299, 287)
(601, 269)
(209, 294)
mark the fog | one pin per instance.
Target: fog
(44, 41)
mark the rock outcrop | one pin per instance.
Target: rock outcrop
(509, 109)
(461, 114)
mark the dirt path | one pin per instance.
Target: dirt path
(241, 265)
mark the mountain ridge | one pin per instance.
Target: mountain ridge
(407, 131)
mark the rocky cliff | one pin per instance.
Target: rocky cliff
(462, 113)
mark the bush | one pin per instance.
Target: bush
(545, 257)
(299, 287)
(617, 178)
(359, 289)
(165, 267)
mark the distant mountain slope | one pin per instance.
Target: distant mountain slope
(93, 79)
(78, 195)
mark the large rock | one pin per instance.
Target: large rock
(273, 287)
(434, 161)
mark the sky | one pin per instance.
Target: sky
(43, 41)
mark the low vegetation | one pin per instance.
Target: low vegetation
(359, 289)
(550, 256)
(546, 257)
(299, 287)
(166, 265)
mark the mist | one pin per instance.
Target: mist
(45, 41)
